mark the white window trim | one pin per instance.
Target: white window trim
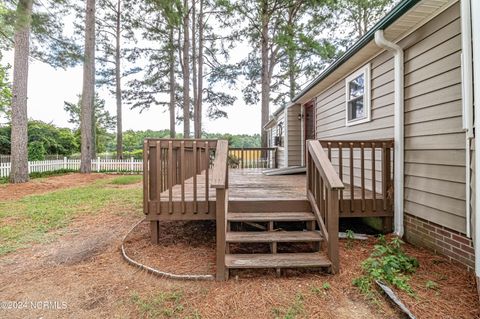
(366, 71)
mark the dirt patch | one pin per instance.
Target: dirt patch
(80, 249)
(184, 248)
(44, 185)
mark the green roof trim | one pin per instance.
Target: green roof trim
(399, 10)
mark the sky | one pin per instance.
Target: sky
(48, 88)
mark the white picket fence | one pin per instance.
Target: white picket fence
(98, 165)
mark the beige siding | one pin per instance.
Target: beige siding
(280, 150)
(294, 132)
(330, 108)
(434, 139)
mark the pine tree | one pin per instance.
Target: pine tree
(19, 139)
(114, 28)
(360, 15)
(37, 30)
(269, 29)
(88, 91)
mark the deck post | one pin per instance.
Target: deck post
(332, 228)
(221, 214)
(387, 222)
(154, 231)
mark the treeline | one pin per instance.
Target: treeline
(47, 139)
(173, 54)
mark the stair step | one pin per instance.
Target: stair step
(271, 216)
(289, 260)
(273, 236)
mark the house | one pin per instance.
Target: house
(386, 131)
(410, 78)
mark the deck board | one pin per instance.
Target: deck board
(277, 260)
(251, 184)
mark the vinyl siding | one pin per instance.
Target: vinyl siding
(280, 150)
(434, 138)
(330, 108)
(294, 136)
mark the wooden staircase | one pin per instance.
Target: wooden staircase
(268, 226)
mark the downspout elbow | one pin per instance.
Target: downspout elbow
(398, 130)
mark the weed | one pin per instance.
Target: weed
(326, 286)
(388, 263)
(291, 312)
(350, 235)
(430, 284)
(164, 304)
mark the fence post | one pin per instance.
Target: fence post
(98, 164)
(131, 164)
(65, 162)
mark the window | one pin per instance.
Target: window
(358, 97)
(279, 136)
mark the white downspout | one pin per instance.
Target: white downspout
(467, 102)
(399, 128)
(475, 7)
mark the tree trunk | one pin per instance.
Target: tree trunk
(194, 69)
(172, 83)
(199, 101)
(19, 139)
(186, 72)
(265, 73)
(291, 74)
(88, 92)
(118, 84)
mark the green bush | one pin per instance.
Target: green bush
(36, 151)
(387, 263)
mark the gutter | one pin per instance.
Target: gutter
(399, 10)
(398, 130)
(475, 6)
(467, 102)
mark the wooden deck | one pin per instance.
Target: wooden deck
(251, 184)
(182, 183)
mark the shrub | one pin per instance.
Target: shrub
(36, 151)
(387, 263)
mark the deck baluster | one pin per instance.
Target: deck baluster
(182, 173)
(170, 177)
(362, 173)
(352, 184)
(374, 179)
(340, 173)
(159, 176)
(207, 172)
(195, 160)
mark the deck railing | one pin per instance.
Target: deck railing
(323, 187)
(252, 157)
(220, 183)
(366, 166)
(171, 162)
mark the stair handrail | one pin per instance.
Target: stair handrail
(323, 186)
(220, 183)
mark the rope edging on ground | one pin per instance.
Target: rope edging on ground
(156, 271)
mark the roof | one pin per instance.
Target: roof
(274, 115)
(397, 22)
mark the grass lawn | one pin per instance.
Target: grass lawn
(29, 219)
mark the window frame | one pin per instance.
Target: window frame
(281, 128)
(366, 71)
